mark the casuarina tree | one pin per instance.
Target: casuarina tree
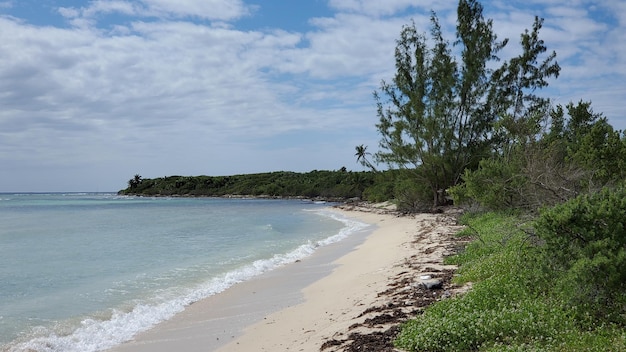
(437, 116)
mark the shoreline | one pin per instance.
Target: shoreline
(351, 293)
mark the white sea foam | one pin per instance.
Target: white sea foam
(101, 334)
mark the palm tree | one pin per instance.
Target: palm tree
(361, 157)
(135, 181)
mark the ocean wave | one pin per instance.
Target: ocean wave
(98, 334)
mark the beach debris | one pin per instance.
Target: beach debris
(422, 280)
(431, 284)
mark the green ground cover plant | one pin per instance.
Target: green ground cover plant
(513, 304)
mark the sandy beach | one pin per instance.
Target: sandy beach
(350, 296)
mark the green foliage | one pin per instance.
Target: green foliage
(496, 246)
(361, 157)
(438, 114)
(557, 286)
(595, 145)
(495, 184)
(135, 181)
(577, 155)
(417, 120)
(477, 321)
(519, 78)
(512, 305)
(411, 196)
(379, 192)
(382, 188)
(326, 184)
(585, 249)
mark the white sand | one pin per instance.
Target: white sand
(305, 311)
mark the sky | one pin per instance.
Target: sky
(94, 92)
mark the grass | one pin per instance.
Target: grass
(511, 306)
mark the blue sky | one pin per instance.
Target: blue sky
(93, 92)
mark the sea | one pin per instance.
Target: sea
(88, 271)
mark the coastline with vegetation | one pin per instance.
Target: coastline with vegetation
(541, 188)
(359, 301)
(421, 282)
(317, 184)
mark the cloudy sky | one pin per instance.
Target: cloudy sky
(93, 92)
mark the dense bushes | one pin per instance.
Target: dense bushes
(585, 253)
(485, 138)
(383, 187)
(514, 304)
(577, 155)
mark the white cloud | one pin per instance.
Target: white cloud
(224, 10)
(104, 7)
(182, 96)
(87, 16)
(214, 10)
(173, 92)
(344, 46)
(378, 8)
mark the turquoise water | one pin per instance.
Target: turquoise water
(85, 272)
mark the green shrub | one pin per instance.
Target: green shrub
(378, 192)
(496, 184)
(495, 249)
(585, 251)
(503, 308)
(512, 305)
(412, 196)
(497, 311)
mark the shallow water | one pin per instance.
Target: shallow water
(84, 272)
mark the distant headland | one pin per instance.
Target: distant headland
(317, 184)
